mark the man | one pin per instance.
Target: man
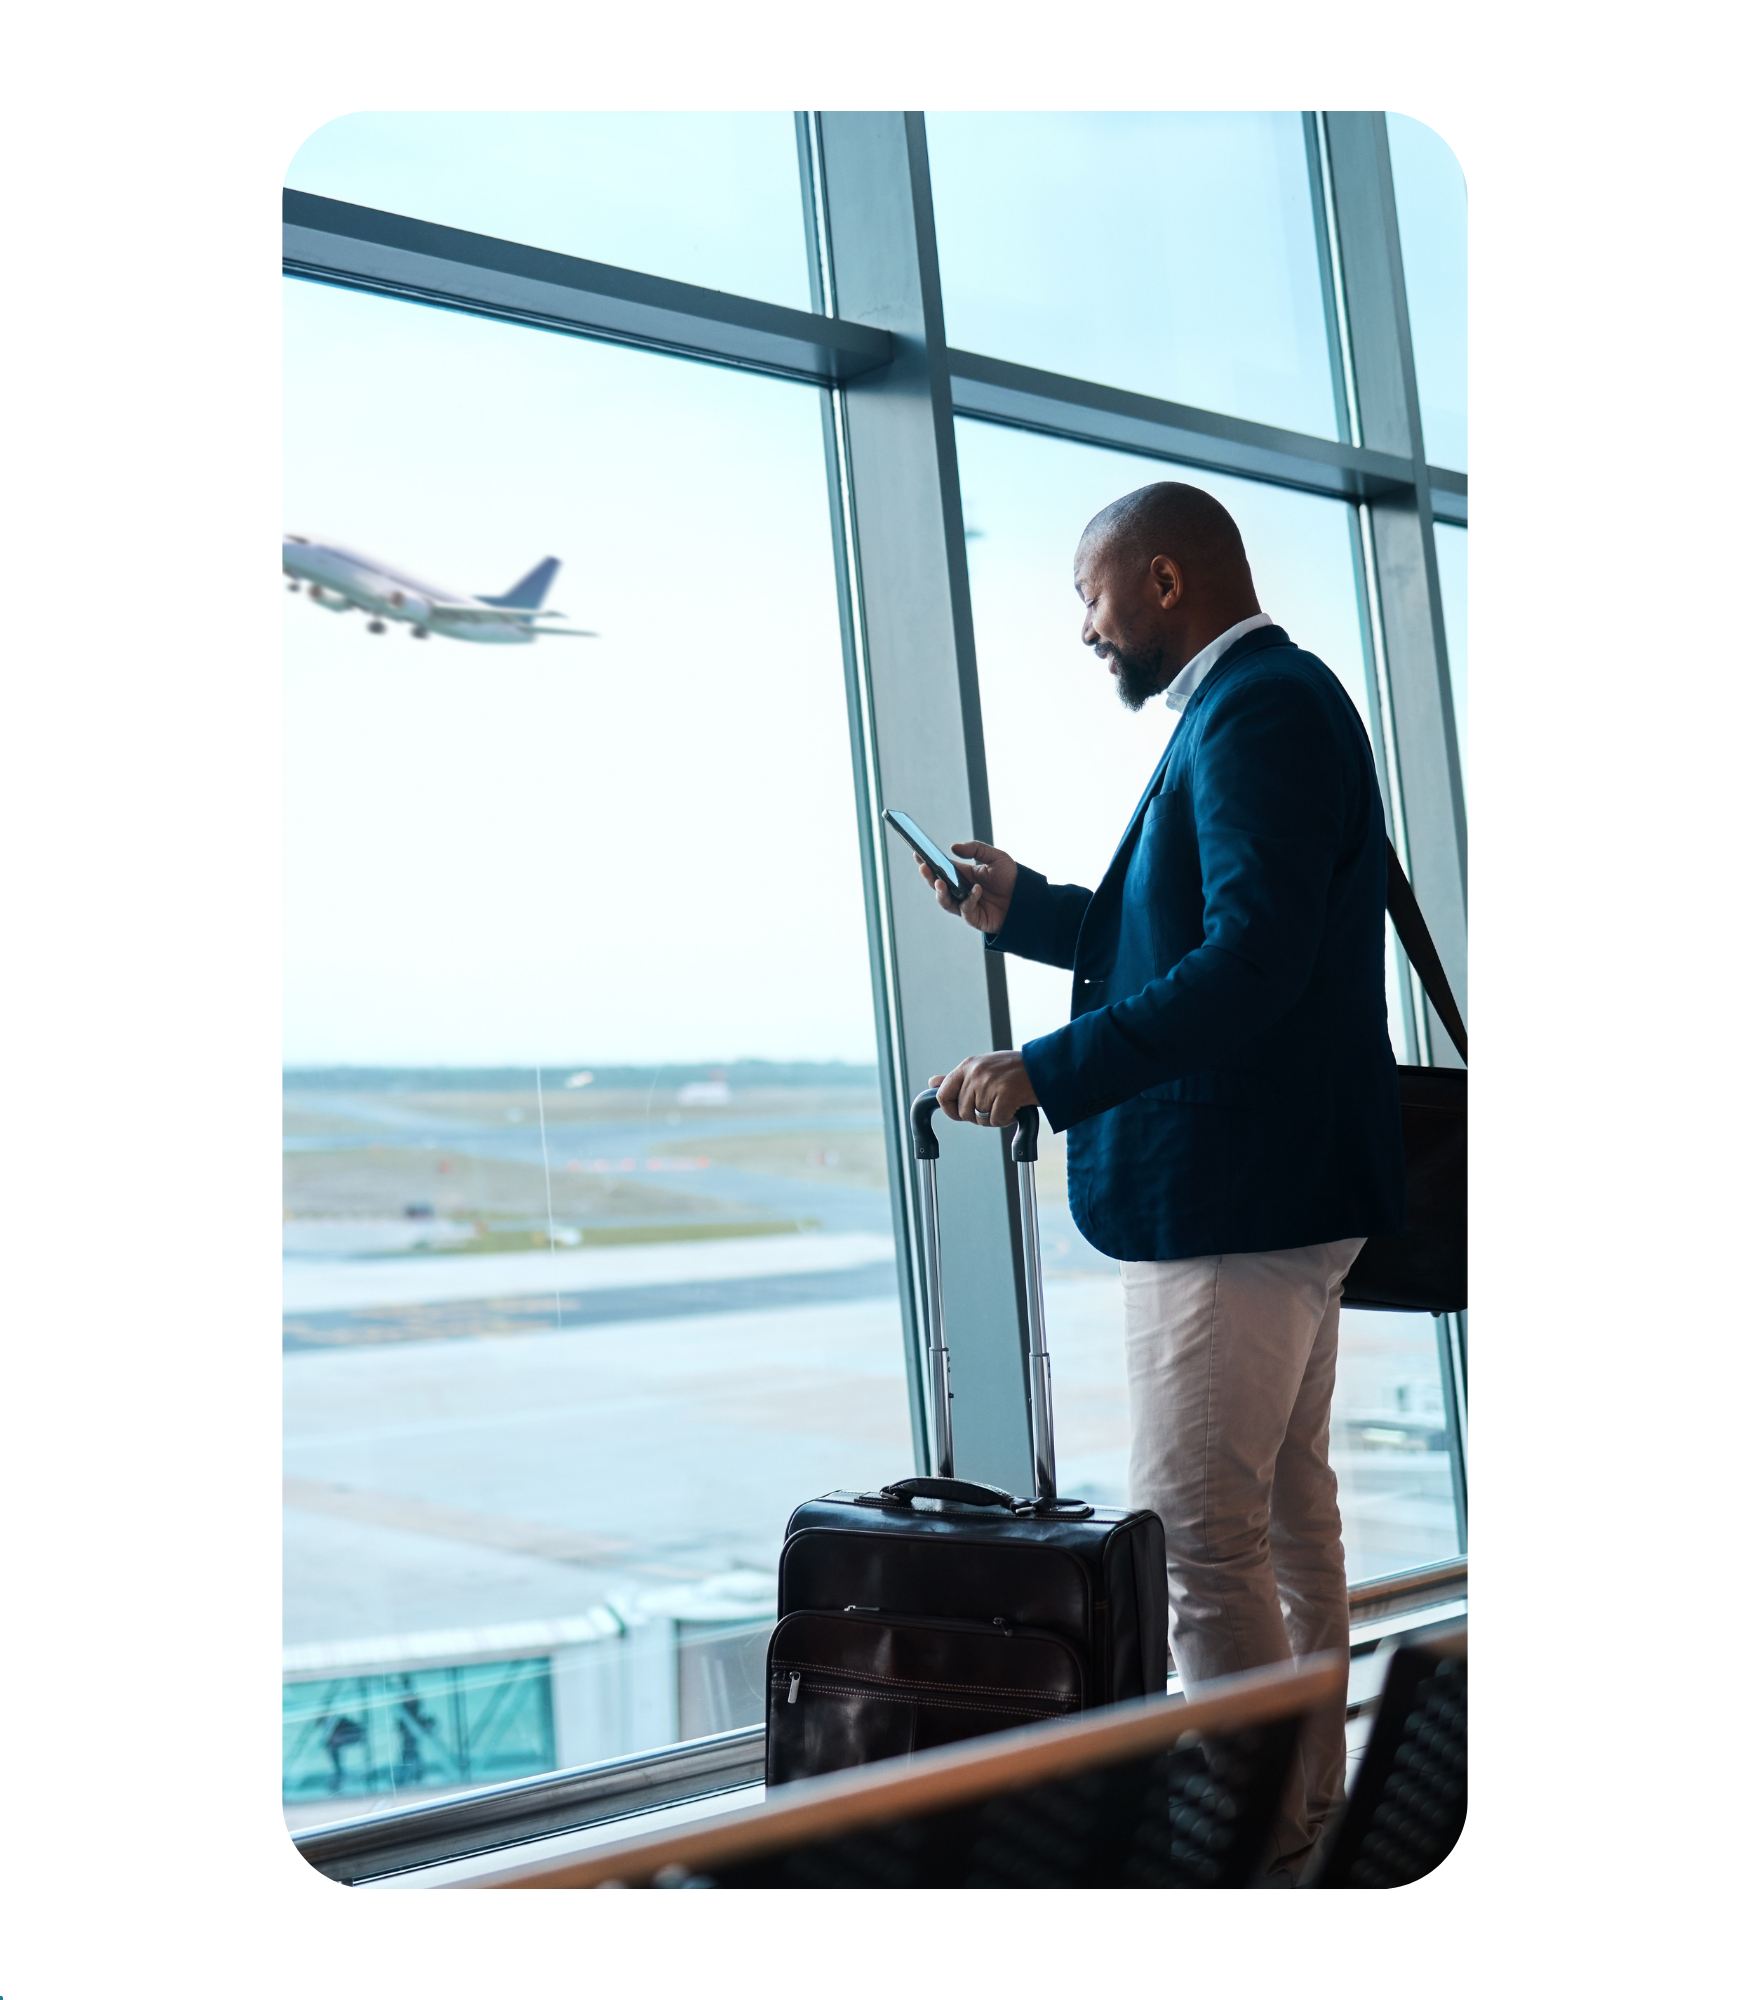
(1228, 1085)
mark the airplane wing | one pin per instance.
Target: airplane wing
(479, 614)
(485, 615)
(490, 614)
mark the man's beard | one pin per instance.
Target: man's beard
(1141, 676)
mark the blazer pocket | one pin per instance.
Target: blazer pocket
(1146, 888)
(1145, 854)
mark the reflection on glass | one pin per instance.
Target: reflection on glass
(1167, 252)
(1067, 764)
(361, 1736)
(1452, 553)
(712, 197)
(589, 1272)
(1432, 217)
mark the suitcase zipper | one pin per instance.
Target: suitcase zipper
(1004, 1625)
(990, 1699)
(924, 1694)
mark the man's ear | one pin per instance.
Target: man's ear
(1169, 581)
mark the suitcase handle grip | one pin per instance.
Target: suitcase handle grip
(1023, 1147)
(924, 1142)
(963, 1490)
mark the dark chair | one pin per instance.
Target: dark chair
(1158, 1793)
(1406, 1812)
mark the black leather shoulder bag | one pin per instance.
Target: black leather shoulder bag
(1424, 1269)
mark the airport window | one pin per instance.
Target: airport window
(1429, 186)
(1168, 252)
(589, 1270)
(601, 1245)
(709, 197)
(1452, 552)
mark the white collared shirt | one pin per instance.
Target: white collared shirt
(1189, 678)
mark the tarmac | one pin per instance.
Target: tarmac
(483, 1472)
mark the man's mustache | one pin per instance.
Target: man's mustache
(1131, 662)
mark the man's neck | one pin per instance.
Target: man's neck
(1207, 630)
(1184, 683)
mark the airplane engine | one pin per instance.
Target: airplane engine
(407, 604)
(330, 600)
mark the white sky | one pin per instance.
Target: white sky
(1169, 252)
(710, 197)
(641, 848)
(1433, 221)
(634, 848)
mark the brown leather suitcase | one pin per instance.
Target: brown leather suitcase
(939, 1609)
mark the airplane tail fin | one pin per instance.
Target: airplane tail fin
(531, 592)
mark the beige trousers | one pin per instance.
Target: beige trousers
(1231, 1363)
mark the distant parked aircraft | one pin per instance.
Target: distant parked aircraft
(341, 580)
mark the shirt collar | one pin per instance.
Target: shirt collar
(1189, 678)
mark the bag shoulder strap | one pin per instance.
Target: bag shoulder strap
(1400, 901)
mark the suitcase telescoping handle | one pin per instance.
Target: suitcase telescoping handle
(928, 1149)
(1024, 1150)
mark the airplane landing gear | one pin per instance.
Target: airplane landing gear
(419, 632)
(376, 625)
(293, 588)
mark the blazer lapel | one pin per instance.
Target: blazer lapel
(1142, 804)
(1253, 642)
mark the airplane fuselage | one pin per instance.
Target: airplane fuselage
(341, 580)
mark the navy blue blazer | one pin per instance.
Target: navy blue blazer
(1227, 1077)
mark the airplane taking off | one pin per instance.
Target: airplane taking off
(340, 580)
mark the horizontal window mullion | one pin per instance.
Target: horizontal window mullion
(371, 250)
(1085, 412)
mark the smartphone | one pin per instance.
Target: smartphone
(932, 856)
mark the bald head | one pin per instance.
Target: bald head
(1183, 522)
(1161, 573)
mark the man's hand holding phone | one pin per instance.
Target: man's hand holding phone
(993, 884)
(970, 880)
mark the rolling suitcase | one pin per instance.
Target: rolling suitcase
(939, 1609)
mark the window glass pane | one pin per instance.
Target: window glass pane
(1432, 216)
(712, 197)
(563, 1344)
(1167, 252)
(1452, 553)
(1067, 764)
(1389, 1444)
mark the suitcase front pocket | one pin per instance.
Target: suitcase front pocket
(854, 1687)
